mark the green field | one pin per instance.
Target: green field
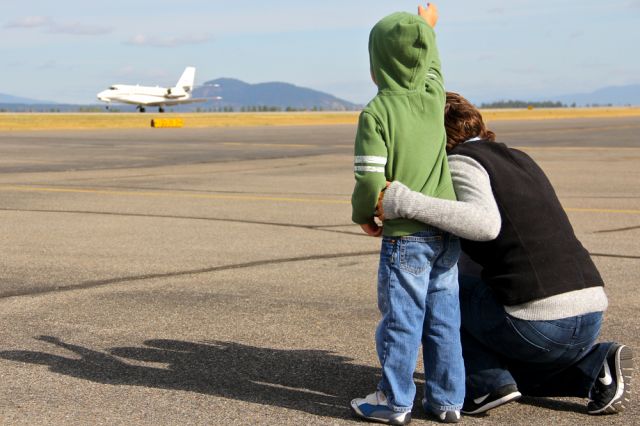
(66, 121)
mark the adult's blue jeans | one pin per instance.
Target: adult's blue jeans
(418, 300)
(543, 358)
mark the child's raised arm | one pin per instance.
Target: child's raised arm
(435, 81)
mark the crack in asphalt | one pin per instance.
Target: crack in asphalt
(628, 228)
(323, 228)
(118, 280)
(616, 256)
(187, 190)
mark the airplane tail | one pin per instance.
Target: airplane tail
(186, 80)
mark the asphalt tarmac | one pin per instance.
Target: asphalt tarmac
(212, 276)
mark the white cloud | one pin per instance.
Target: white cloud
(76, 28)
(155, 41)
(53, 27)
(29, 22)
(48, 65)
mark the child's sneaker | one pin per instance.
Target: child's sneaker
(452, 416)
(374, 407)
(610, 393)
(446, 416)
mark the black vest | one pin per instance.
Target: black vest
(536, 254)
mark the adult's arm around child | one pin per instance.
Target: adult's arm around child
(474, 217)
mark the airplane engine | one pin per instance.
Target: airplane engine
(175, 92)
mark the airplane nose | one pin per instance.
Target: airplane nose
(102, 96)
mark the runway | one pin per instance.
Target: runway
(212, 276)
(110, 149)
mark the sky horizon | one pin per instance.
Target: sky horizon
(67, 51)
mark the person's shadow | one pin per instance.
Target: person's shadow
(313, 381)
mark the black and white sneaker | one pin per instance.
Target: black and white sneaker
(491, 400)
(610, 393)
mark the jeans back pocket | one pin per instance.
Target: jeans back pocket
(418, 253)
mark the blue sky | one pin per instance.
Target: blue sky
(68, 50)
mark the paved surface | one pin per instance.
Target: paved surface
(213, 276)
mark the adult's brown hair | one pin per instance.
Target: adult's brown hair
(463, 121)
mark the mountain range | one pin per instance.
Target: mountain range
(233, 94)
(9, 99)
(614, 95)
(237, 94)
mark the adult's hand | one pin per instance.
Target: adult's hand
(379, 207)
(429, 14)
(372, 229)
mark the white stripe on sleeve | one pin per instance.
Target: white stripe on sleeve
(369, 159)
(368, 169)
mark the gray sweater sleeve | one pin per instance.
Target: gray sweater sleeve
(474, 216)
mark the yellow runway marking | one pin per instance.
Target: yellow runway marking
(271, 145)
(579, 148)
(168, 194)
(577, 129)
(576, 209)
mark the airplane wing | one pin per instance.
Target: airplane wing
(137, 100)
(180, 102)
(154, 100)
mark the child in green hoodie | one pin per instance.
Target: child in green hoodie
(401, 136)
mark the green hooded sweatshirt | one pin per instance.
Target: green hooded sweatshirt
(401, 133)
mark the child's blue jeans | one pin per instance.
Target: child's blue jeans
(418, 300)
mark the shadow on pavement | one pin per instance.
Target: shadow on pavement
(313, 381)
(554, 404)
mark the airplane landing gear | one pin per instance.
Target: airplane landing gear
(160, 109)
(141, 108)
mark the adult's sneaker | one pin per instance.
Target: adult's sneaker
(375, 407)
(610, 393)
(500, 396)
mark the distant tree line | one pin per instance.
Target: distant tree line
(257, 108)
(99, 108)
(537, 104)
(524, 104)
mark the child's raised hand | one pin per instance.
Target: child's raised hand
(429, 14)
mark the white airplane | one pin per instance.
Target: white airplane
(146, 96)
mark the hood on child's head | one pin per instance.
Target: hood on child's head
(397, 52)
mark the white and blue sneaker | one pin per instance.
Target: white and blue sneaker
(374, 407)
